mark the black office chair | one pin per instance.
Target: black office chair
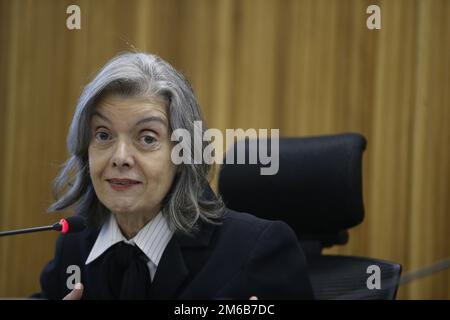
(318, 192)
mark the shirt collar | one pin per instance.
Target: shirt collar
(152, 239)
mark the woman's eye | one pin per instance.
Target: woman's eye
(102, 136)
(147, 140)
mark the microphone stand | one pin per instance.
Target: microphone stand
(69, 225)
(424, 272)
(56, 227)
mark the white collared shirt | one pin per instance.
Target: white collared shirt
(152, 239)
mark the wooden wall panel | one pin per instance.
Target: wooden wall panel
(306, 67)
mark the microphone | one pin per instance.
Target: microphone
(68, 225)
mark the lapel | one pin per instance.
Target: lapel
(87, 242)
(171, 272)
(180, 261)
(93, 275)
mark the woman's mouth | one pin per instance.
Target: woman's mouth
(122, 184)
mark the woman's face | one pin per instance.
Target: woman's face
(129, 154)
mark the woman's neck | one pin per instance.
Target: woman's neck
(131, 223)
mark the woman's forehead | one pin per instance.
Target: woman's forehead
(130, 109)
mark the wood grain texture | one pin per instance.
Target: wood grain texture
(306, 67)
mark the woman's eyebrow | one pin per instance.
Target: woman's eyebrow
(147, 119)
(98, 114)
(151, 119)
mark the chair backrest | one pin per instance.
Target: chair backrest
(318, 192)
(336, 277)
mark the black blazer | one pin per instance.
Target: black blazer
(242, 257)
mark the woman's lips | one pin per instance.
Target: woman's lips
(122, 184)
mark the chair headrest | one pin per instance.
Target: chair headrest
(318, 187)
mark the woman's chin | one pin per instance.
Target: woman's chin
(122, 210)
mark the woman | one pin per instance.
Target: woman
(156, 230)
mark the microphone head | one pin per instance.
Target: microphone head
(71, 224)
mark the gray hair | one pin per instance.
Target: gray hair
(138, 74)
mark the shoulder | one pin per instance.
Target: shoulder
(251, 226)
(264, 256)
(75, 247)
(246, 234)
(71, 250)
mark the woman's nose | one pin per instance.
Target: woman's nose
(122, 156)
